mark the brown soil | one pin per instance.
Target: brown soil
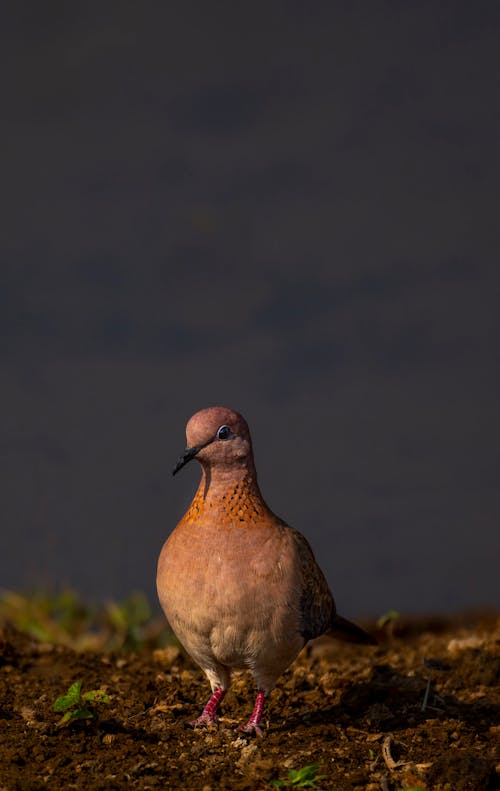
(355, 712)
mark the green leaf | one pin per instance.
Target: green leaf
(81, 714)
(64, 720)
(96, 696)
(78, 714)
(307, 777)
(389, 617)
(71, 698)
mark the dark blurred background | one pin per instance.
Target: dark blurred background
(287, 208)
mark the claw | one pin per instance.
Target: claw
(209, 714)
(251, 729)
(203, 721)
(253, 725)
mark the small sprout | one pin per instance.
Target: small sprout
(76, 706)
(388, 618)
(307, 777)
(388, 622)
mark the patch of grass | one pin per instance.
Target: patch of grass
(54, 618)
(78, 706)
(307, 777)
(128, 621)
(66, 619)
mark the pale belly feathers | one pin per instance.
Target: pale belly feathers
(219, 604)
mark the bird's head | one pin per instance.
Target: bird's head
(218, 437)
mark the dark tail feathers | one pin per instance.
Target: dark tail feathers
(343, 629)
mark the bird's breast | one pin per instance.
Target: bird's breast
(217, 582)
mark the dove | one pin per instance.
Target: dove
(239, 587)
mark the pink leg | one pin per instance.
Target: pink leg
(209, 713)
(253, 725)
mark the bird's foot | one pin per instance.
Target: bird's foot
(253, 725)
(209, 714)
(203, 721)
(251, 729)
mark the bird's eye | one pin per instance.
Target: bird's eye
(224, 432)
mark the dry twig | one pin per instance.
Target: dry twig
(386, 753)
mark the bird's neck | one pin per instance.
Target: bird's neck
(229, 494)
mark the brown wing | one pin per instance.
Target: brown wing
(318, 612)
(317, 606)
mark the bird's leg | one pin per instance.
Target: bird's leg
(209, 713)
(253, 725)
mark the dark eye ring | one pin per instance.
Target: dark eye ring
(224, 432)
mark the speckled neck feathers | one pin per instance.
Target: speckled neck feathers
(237, 502)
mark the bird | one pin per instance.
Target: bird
(240, 589)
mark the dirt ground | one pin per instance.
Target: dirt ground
(356, 712)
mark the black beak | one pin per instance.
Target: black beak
(188, 454)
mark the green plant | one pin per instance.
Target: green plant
(52, 618)
(388, 618)
(307, 777)
(388, 622)
(65, 618)
(78, 706)
(127, 622)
